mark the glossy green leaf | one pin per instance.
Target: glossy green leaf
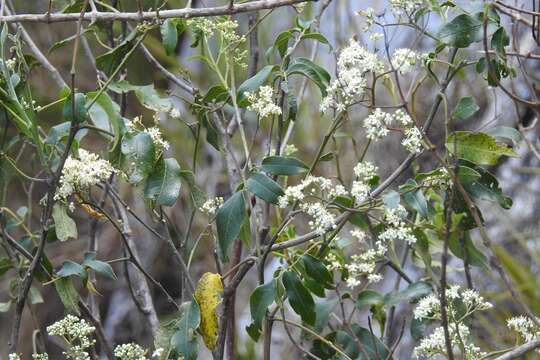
(506, 132)
(105, 114)
(229, 219)
(486, 187)
(299, 297)
(461, 32)
(479, 148)
(464, 248)
(316, 269)
(259, 301)
(169, 36)
(264, 188)
(373, 346)
(184, 340)
(109, 61)
(283, 165)
(65, 226)
(148, 95)
(71, 268)
(163, 184)
(139, 152)
(307, 68)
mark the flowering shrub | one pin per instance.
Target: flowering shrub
(370, 241)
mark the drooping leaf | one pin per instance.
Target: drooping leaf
(463, 247)
(184, 339)
(323, 310)
(197, 195)
(229, 219)
(506, 132)
(65, 226)
(299, 297)
(68, 294)
(479, 148)
(264, 188)
(307, 68)
(283, 165)
(105, 114)
(463, 30)
(413, 292)
(163, 184)
(208, 296)
(148, 95)
(486, 187)
(373, 346)
(170, 30)
(369, 298)
(71, 268)
(259, 301)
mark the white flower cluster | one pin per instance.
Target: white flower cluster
(210, 206)
(525, 327)
(429, 307)
(439, 178)
(377, 123)
(262, 102)
(403, 60)
(40, 356)
(157, 138)
(10, 63)
(365, 172)
(323, 220)
(225, 29)
(400, 6)
(77, 332)
(130, 351)
(397, 228)
(174, 113)
(319, 188)
(353, 63)
(80, 174)
(14, 356)
(435, 344)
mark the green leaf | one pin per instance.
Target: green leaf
(64, 225)
(467, 174)
(479, 148)
(487, 188)
(318, 37)
(169, 36)
(229, 219)
(253, 84)
(282, 42)
(139, 152)
(373, 346)
(417, 201)
(369, 298)
(264, 188)
(299, 297)
(109, 61)
(316, 270)
(283, 165)
(105, 114)
(197, 195)
(5, 265)
(98, 266)
(148, 96)
(474, 256)
(80, 109)
(500, 40)
(71, 268)
(412, 293)
(323, 310)
(163, 184)
(306, 67)
(465, 108)
(259, 301)
(506, 132)
(461, 32)
(67, 293)
(184, 340)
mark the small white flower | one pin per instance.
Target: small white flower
(130, 351)
(413, 140)
(210, 206)
(376, 124)
(158, 352)
(323, 220)
(82, 173)
(262, 102)
(403, 60)
(174, 113)
(13, 356)
(77, 332)
(525, 327)
(157, 138)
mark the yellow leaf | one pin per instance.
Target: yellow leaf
(208, 296)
